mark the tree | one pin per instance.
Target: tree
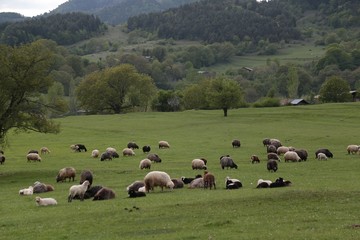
(224, 93)
(335, 89)
(24, 78)
(114, 89)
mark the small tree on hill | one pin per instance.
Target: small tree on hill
(335, 89)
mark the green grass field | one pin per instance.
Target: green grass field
(322, 202)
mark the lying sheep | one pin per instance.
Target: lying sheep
(39, 187)
(74, 147)
(157, 179)
(154, 157)
(236, 143)
(64, 173)
(353, 149)
(322, 156)
(44, 150)
(27, 191)
(145, 164)
(90, 193)
(272, 165)
(254, 159)
(104, 194)
(134, 194)
(178, 183)
(325, 151)
(263, 183)
(291, 157)
(78, 190)
(35, 157)
(187, 180)
(146, 149)
(135, 186)
(197, 183)
(164, 144)
(128, 152)
(86, 175)
(227, 162)
(45, 201)
(232, 183)
(95, 153)
(209, 180)
(198, 164)
(132, 145)
(273, 156)
(280, 183)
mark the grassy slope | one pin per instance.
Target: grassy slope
(321, 204)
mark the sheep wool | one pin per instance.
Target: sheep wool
(45, 201)
(157, 179)
(78, 190)
(198, 164)
(145, 164)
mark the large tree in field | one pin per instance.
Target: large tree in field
(23, 80)
(335, 89)
(114, 89)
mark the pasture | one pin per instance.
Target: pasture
(322, 202)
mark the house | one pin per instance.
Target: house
(299, 101)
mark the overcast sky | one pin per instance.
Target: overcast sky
(29, 8)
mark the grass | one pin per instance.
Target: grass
(322, 203)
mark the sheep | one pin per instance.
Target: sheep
(273, 156)
(275, 142)
(145, 164)
(45, 201)
(232, 183)
(187, 180)
(64, 173)
(254, 159)
(86, 175)
(74, 147)
(236, 143)
(2, 159)
(146, 149)
(227, 162)
(33, 157)
(198, 164)
(44, 150)
(282, 150)
(115, 155)
(325, 151)
(209, 180)
(353, 149)
(80, 148)
(104, 194)
(132, 145)
(33, 151)
(280, 183)
(271, 149)
(291, 156)
(303, 154)
(157, 178)
(27, 191)
(322, 156)
(154, 157)
(105, 156)
(197, 183)
(164, 144)
(95, 153)
(178, 183)
(90, 192)
(78, 190)
(263, 183)
(135, 186)
(128, 152)
(39, 187)
(134, 194)
(272, 165)
(110, 150)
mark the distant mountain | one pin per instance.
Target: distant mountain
(11, 17)
(118, 11)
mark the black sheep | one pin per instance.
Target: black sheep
(106, 156)
(236, 143)
(86, 175)
(280, 183)
(272, 165)
(2, 159)
(80, 148)
(189, 180)
(302, 154)
(132, 145)
(325, 151)
(134, 194)
(233, 184)
(146, 149)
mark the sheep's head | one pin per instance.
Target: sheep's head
(37, 199)
(170, 184)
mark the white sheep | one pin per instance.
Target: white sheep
(322, 156)
(145, 164)
(128, 152)
(157, 179)
(282, 150)
(78, 190)
(45, 201)
(353, 149)
(95, 153)
(291, 156)
(164, 144)
(111, 150)
(197, 183)
(198, 164)
(33, 157)
(27, 191)
(44, 150)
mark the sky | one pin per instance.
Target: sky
(29, 8)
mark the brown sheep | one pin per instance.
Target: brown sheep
(255, 159)
(209, 180)
(64, 173)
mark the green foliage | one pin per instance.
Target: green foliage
(335, 89)
(337, 56)
(167, 101)
(267, 102)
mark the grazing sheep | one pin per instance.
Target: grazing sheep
(78, 190)
(292, 157)
(134, 194)
(271, 149)
(27, 191)
(135, 186)
(322, 156)
(44, 150)
(64, 173)
(272, 165)
(164, 144)
(74, 147)
(154, 157)
(325, 151)
(232, 183)
(45, 201)
(106, 156)
(35, 157)
(303, 154)
(197, 183)
(266, 141)
(353, 149)
(132, 145)
(198, 164)
(157, 178)
(178, 183)
(275, 142)
(104, 194)
(263, 183)
(128, 152)
(236, 143)
(255, 159)
(33, 151)
(227, 162)
(145, 164)
(187, 180)
(95, 153)
(86, 175)
(282, 150)
(280, 183)
(146, 149)
(273, 156)
(80, 148)
(2, 159)
(115, 155)
(209, 180)
(110, 150)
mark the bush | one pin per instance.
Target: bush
(267, 102)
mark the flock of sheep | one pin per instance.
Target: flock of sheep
(85, 190)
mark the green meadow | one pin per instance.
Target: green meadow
(321, 203)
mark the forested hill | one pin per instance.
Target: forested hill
(11, 17)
